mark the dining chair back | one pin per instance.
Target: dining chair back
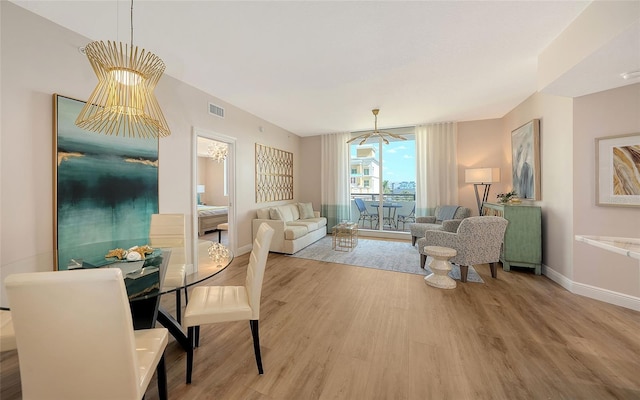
(213, 304)
(168, 231)
(7, 335)
(75, 337)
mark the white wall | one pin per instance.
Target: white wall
(39, 59)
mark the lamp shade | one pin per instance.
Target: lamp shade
(200, 189)
(482, 175)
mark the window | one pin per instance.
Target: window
(366, 171)
(366, 183)
(354, 171)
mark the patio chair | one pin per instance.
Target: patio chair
(411, 217)
(364, 214)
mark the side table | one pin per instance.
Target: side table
(440, 266)
(345, 236)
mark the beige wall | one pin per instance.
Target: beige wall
(40, 58)
(556, 168)
(311, 162)
(608, 113)
(480, 146)
(211, 175)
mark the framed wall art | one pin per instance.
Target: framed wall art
(274, 174)
(525, 161)
(105, 188)
(618, 170)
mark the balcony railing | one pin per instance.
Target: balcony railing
(390, 215)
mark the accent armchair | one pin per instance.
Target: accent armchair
(446, 218)
(478, 240)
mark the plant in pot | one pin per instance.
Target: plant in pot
(507, 197)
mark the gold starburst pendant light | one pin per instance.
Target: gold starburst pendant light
(123, 102)
(376, 132)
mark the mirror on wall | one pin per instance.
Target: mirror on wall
(212, 192)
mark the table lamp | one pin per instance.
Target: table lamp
(199, 190)
(482, 177)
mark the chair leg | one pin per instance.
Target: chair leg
(197, 336)
(464, 270)
(190, 337)
(494, 269)
(161, 372)
(413, 240)
(423, 260)
(178, 306)
(256, 344)
(186, 296)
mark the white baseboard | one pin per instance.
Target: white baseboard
(593, 292)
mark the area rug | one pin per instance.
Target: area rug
(379, 254)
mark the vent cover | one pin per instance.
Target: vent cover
(215, 110)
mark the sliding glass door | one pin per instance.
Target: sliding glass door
(383, 176)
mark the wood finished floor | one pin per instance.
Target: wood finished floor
(332, 331)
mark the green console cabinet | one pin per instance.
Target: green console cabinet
(522, 245)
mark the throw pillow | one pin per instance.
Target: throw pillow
(274, 213)
(306, 210)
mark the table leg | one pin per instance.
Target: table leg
(175, 329)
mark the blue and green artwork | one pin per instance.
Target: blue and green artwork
(106, 188)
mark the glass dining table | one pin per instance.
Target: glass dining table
(144, 278)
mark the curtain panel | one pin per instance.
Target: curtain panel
(437, 166)
(336, 198)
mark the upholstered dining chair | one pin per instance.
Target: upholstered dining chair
(7, 334)
(76, 340)
(478, 240)
(364, 214)
(213, 304)
(168, 231)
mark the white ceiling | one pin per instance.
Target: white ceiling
(315, 67)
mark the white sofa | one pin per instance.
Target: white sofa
(292, 233)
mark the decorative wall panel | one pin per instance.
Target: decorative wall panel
(274, 174)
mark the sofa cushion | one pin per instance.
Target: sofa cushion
(295, 214)
(287, 214)
(263, 213)
(311, 225)
(275, 213)
(306, 210)
(321, 221)
(293, 232)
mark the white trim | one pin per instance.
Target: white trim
(605, 295)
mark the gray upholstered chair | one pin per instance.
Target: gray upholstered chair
(477, 241)
(446, 218)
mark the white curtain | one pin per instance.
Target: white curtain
(336, 199)
(437, 167)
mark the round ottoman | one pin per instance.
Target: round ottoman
(440, 266)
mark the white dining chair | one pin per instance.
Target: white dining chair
(168, 231)
(75, 337)
(7, 334)
(213, 304)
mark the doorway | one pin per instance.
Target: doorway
(213, 191)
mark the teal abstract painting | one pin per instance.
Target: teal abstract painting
(105, 189)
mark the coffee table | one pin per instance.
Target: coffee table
(345, 236)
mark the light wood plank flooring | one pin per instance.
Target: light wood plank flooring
(332, 331)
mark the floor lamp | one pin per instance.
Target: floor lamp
(482, 177)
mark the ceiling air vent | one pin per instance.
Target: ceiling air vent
(215, 110)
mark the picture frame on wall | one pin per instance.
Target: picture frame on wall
(618, 170)
(525, 161)
(105, 189)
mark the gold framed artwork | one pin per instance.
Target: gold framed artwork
(525, 161)
(274, 174)
(618, 170)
